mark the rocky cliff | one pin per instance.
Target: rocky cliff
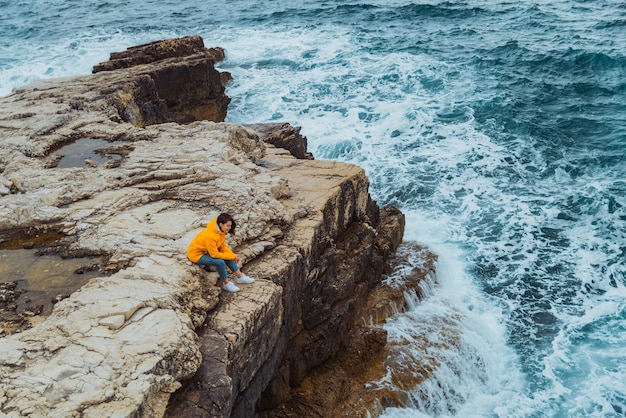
(152, 324)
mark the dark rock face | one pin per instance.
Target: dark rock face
(138, 102)
(338, 387)
(169, 88)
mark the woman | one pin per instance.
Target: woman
(209, 248)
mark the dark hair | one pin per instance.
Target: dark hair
(224, 218)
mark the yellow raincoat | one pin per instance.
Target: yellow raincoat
(210, 241)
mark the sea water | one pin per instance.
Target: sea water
(497, 127)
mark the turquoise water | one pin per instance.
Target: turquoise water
(499, 128)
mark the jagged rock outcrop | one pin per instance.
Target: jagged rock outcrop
(175, 81)
(156, 324)
(283, 135)
(349, 384)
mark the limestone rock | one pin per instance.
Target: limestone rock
(122, 345)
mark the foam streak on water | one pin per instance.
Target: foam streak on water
(499, 128)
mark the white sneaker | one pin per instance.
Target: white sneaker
(230, 287)
(245, 279)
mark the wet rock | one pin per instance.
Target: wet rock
(345, 385)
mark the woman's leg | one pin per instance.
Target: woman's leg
(241, 277)
(233, 267)
(218, 263)
(207, 260)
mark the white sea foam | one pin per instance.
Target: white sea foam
(464, 334)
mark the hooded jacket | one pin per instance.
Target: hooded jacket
(211, 241)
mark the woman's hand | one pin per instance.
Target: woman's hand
(237, 258)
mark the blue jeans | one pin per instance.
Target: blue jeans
(220, 264)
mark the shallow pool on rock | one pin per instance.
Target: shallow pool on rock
(94, 150)
(43, 279)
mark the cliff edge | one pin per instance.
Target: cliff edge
(152, 324)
